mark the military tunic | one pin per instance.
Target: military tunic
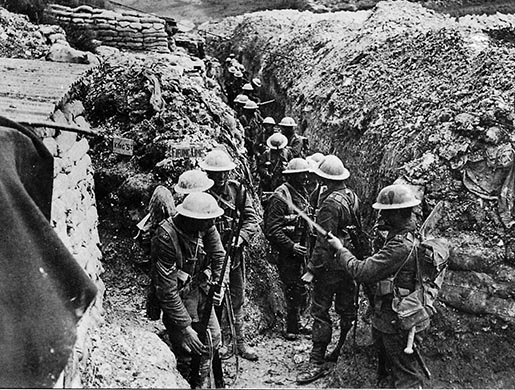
(398, 251)
(182, 265)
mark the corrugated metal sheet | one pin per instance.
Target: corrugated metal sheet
(29, 89)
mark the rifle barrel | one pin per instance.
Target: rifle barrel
(304, 216)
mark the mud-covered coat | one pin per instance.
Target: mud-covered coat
(398, 251)
(279, 218)
(189, 253)
(227, 201)
(333, 215)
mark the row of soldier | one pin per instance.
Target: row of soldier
(215, 222)
(189, 247)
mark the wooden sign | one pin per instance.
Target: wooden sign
(186, 150)
(123, 146)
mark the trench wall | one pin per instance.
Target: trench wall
(126, 30)
(74, 218)
(403, 117)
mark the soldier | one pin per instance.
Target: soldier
(251, 122)
(187, 252)
(247, 90)
(256, 85)
(392, 268)
(273, 161)
(314, 186)
(193, 181)
(218, 165)
(339, 209)
(266, 130)
(239, 103)
(296, 143)
(288, 235)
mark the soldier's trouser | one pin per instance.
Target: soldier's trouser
(295, 292)
(237, 291)
(404, 369)
(327, 286)
(183, 357)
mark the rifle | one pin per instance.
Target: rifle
(216, 288)
(267, 102)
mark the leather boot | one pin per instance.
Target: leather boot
(316, 368)
(244, 350)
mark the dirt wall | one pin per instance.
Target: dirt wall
(403, 92)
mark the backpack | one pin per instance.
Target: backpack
(416, 309)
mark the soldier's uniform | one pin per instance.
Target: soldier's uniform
(270, 166)
(331, 281)
(283, 229)
(227, 201)
(217, 164)
(393, 267)
(181, 267)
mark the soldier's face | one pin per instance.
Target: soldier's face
(389, 219)
(201, 225)
(220, 178)
(299, 180)
(287, 130)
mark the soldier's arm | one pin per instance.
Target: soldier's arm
(166, 283)
(327, 218)
(215, 250)
(274, 225)
(250, 221)
(379, 266)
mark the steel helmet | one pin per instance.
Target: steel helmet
(247, 87)
(332, 168)
(231, 69)
(250, 105)
(277, 141)
(269, 120)
(199, 205)
(193, 181)
(287, 121)
(242, 99)
(238, 74)
(216, 161)
(256, 82)
(395, 196)
(297, 165)
(314, 160)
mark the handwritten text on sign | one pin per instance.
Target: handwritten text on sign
(123, 146)
(183, 151)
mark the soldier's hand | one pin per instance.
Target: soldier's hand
(191, 343)
(334, 241)
(219, 297)
(307, 277)
(299, 250)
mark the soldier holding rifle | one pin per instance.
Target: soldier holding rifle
(218, 166)
(339, 209)
(187, 254)
(283, 230)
